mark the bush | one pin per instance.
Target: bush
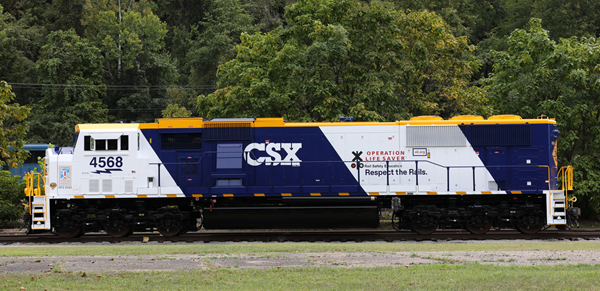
(11, 197)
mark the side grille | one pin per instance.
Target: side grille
(501, 135)
(94, 185)
(434, 135)
(128, 186)
(220, 131)
(106, 186)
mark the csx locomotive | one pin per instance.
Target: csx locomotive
(179, 174)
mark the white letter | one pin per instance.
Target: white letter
(248, 154)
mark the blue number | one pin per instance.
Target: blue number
(102, 162)
(106, 162)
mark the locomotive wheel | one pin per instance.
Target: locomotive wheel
(69, 232)
(170, 230)
(478, 224)
(529, 225)
(67, 227)
(169, 226)
(117, 230)
(424, 225)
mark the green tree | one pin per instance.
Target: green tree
(131, 39)
(13, 129)
(20, 41)
(76, 65)
(174, 110)
(536, 76)
(216, 44)
(11, 197)
(348, 58)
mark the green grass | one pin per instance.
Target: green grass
(277, 248)
(435, 277)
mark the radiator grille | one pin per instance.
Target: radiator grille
(227, 131)
(94, 185)
(128, 186)
(501, 135)
(106, 186)
(435, 135)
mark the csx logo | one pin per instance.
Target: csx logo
(252, 154)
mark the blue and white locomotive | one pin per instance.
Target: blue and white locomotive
(173, 175)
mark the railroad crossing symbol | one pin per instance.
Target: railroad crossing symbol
(357, 157)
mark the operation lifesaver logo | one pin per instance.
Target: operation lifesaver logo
(253, 154)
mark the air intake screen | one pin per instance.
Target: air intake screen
(218, 131)
(501, 135)
(434, 135)
(106, 186)
(94, 185)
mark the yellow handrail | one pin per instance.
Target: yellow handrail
(31, 189)
(566, 173)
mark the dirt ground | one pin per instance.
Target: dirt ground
(100, 264)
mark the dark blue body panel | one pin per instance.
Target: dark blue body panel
(513, 155)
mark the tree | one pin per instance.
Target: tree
(216, 44)
(131, 39)
(174, 110)
(11, 197)
(20, 41)
(13, 129)
(347, 58)
(536, 76)
(76, 65)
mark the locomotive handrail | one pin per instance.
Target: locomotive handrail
(30, 187)
(358, 167)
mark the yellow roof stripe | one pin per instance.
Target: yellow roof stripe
(279, 122)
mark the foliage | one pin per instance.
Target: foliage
(11, 196)
(13, 129)
(68, 59)
(174, 110)
(216, 44)
(20, 42)
(536, 76)
(348, 58)
(131, 40)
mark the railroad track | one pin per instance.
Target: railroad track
(308, 236)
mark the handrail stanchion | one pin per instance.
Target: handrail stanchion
(387, 171)
(159, 175)
(473, 178)
(448, 179)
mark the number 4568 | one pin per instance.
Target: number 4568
(110, 162)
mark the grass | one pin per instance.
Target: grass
(282, 248)
(434, 277)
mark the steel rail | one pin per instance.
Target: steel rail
(308, 236)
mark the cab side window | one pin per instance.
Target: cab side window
(91, 144)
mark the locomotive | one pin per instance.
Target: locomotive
(181, 174)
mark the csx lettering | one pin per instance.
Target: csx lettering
(273, 150)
